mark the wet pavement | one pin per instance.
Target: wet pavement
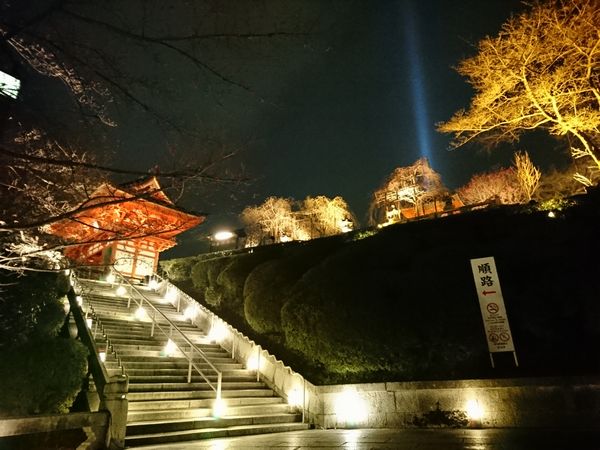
(406, 439)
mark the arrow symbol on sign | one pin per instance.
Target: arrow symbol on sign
(488, 292)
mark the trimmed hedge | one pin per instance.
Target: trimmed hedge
(41, 376)
(40, 372)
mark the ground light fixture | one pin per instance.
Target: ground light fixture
(170, 295)
(153, 284)
(140, 313)
(474, 411)
(170, 348)
(102, 356)
(110, 278)
(121, 291)
(218, 332)
(79, 299)
(294, 397)
(88, 321)
(350, 408)
(219, 408)
(253, 361)
(190, 312)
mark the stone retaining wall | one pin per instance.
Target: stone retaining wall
(530, 402)
(74, 430)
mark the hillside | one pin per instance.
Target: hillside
(400, 303)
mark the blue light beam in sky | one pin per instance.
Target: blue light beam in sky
(417, 85)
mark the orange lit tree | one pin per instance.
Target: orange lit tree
(539, 72)
(499, 185)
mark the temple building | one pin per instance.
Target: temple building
(129, 227)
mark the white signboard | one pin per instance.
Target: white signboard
(495, 321)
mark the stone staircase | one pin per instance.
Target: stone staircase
(163, 406)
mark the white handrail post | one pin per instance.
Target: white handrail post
(190, 365)
(178, 301)
(258, 364)
(219, 382)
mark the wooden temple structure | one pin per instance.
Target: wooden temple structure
(412, 192)
(125, 226)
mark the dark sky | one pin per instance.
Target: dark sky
(332, 112)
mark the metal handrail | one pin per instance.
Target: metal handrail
(90, 311)
(172, 327)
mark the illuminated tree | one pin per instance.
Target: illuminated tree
(500, 185)
(272, 221)
(327, 216)
(559, 184)
(527, 174)
(539, 72)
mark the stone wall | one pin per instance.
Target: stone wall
(530, 402)
(74, 430)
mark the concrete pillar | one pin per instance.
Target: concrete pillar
(114, 400)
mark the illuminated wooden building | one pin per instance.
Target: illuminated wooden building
(128, 228)
(411, 192)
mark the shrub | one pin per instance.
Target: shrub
(31, 306)
(268, 285)
(265, 292)
(204, 274)
(231, 279)
(179, 269)
(41, 376)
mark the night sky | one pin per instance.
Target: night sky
(332, 112)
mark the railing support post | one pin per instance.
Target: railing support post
(258, 364)
(115, 401)
(190, 364)
(219, 383)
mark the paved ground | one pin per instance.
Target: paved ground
(430, 439)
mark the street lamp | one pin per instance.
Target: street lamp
(223, 235)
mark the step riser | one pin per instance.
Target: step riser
(167, 427)
(138, 416)
(179, 395)
(204, 403)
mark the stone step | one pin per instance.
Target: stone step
(180, 372)
(194, 413)
(210, 433)
(196, 378)
(194, 386)
(172, 365)
(137, 428)
(155, 356)
(230, 402)
(195, 394)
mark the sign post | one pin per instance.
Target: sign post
(491, 303)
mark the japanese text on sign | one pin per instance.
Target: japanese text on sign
(491, 303)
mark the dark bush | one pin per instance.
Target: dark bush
(179, 269)
(204, 276)
(265, 292)
(268, 285)
(231, 280)
(31, 305)
(41, 376)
